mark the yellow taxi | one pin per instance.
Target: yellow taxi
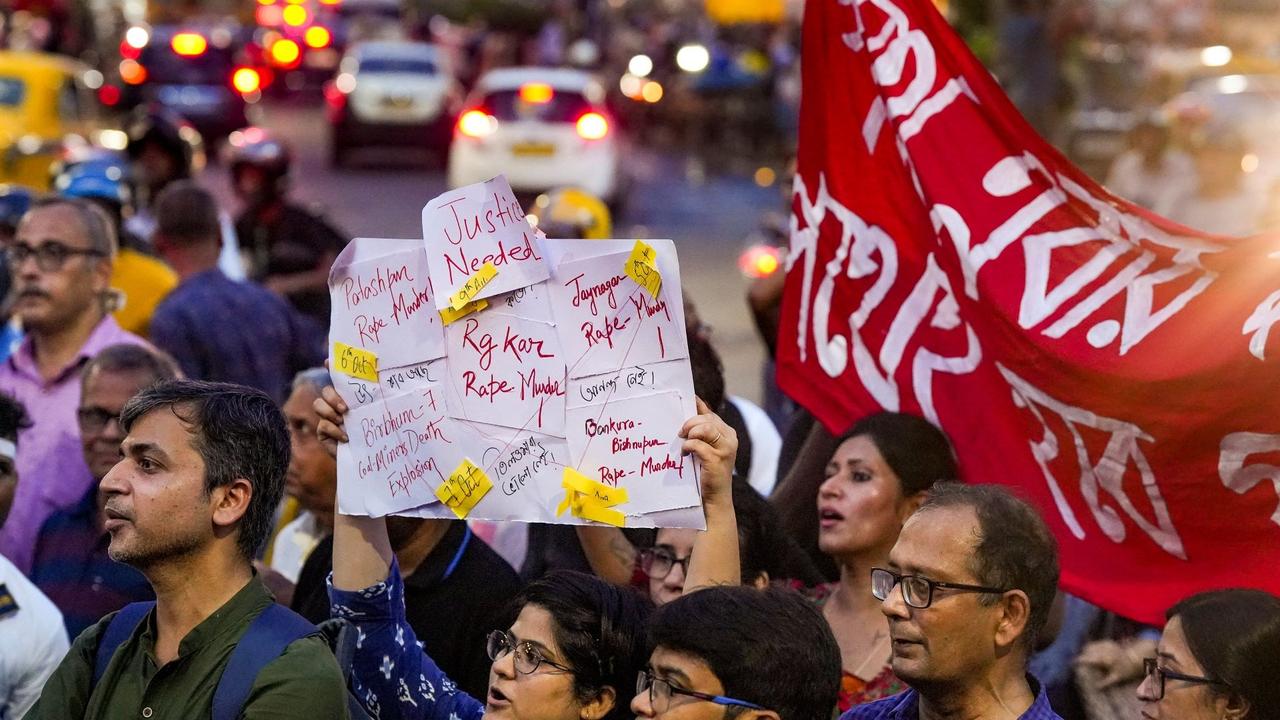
(47, 103)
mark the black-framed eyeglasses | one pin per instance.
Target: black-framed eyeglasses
(917, 591)
(660, 691)
(527, 657)
(94, 420)
(50, 256)
(659, 562)
(1157, 676)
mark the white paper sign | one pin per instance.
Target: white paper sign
(606, 321)
(635, 443)
(466, 228)
(506, 370)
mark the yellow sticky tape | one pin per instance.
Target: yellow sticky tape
(473, 285)
(464, 488)
(590, 499)
(591, 511)
(355, 362)
(642, 267)
(450, 316)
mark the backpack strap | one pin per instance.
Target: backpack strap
(118, 630)
(265, 640)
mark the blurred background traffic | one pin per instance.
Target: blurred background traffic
(667, 118)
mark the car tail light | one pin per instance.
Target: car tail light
(285, 53)
(317, 37)
(189, 44)
(537, 93)
(592, 126)
(109, 95)
(128, 51)
(336, 99)
(132, 72)
(477, 123)
(246, 80)
(295, 15)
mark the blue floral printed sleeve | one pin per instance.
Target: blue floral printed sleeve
(391, 674)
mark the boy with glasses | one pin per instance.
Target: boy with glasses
(61, 261)
(748, 652)
(969, 586)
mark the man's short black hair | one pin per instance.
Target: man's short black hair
(1015, 550)
(156, 365)
(187, 214)
(770, 647)
(13, 417)
(239, 433)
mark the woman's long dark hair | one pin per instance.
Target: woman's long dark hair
(916, 450)
(1235, 636)
(601, 630)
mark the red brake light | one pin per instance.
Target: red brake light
(129, 51)
(592, 126)
(317, 37)
(109, 95)
(477, 123)
(537, 93)
(246, 80)
(189, 44)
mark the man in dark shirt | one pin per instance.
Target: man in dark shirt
(456, 588)
(71, 563)
(217, 328)
(289, 249)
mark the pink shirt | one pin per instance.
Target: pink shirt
(52, 473)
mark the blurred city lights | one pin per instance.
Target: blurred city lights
(1216, 55)
(693, 58)
(640, 66)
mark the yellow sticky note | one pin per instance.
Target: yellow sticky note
(450, 316)
(642, 266)
(355, 362)
(464, 488)
(473, 285)
(590, 499)
(589, 510)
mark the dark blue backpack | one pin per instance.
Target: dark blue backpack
(265, 640)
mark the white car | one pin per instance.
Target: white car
(391, 93)
(541, 127)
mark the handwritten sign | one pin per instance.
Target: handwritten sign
(450, 316)
(355, 362)
(397, 454)
(473, 286)
(634, 443)
(464, 488)
(482, 224)
(507, 370)
(606, 321)
(380, 301)
(642, 267)
(485, 397)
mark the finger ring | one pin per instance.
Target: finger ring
(716, 440)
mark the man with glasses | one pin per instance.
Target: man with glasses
(61, 261)
(71, 564)
(748, 652)
(968, 587)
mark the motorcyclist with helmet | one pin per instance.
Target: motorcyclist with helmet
(287, 248)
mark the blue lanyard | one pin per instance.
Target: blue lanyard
(457, 556)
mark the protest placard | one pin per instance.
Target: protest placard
(472, 410)
(479, 244)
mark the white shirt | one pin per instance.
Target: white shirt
(33, 641)
(766, 445)
(294, 543)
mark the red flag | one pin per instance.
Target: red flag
(1117, 368)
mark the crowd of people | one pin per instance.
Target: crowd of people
(170, 544)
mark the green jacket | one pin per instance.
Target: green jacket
(304, 682)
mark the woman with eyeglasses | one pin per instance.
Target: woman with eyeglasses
(1218, 659)
(576, 645)
(879, 474)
